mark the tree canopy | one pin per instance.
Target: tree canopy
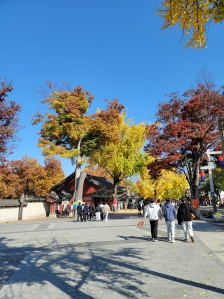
(218, 180)
(9, 126)
(168, 184)
(67, 130)
(193, 18)
(124, 158)
(65, 123)
(185, 128)
(14, 174)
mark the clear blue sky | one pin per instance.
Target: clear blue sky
(114, 49)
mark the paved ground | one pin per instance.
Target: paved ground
(60, 258)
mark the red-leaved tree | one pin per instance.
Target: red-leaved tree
(8, 119)
(184, 129)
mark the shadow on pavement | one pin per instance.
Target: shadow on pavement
(81, 271)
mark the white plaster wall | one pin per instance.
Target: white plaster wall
(9, 214)
(34, 209)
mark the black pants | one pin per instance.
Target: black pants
(154, 228)
(102, 215)
(79, 216)
(85, 216)
(91, 216)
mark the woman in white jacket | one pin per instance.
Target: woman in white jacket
(154, 213)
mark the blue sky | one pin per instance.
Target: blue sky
(114, 49)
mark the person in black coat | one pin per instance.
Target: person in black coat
(91, 211)
(85, 212)
(79, 212)
(184, 217)
(98, 212)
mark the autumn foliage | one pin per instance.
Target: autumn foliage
(14, 174)
(185, 128)
(167, 184)
(9, 126)
(193, 17)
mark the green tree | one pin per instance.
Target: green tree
(218, 180)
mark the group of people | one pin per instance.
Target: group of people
(86, 213)
(184, 215)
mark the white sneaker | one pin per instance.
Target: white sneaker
(173, 241)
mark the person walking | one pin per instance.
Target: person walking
(169, 213)
(106, 211)
(91, 211)
(85, 212)
(154, 213)
(139, 209)
(184, 217)
(68, 210)
(102, 213)
(79, 212)
(98, 212)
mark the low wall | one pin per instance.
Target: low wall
(9, 214)
(35, 209)
(31, 210)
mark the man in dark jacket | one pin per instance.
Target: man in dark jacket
(169, 213)
(98, 212)
(184, 217)
(85, 212)
(79, 212)
(91, 211)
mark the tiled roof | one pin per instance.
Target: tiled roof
(31, 198)
(97, 181)
(11, 203)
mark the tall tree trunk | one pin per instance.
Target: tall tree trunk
(79, 191)
(195, 181)
(77, 177)
(114, 204)
(77, 169)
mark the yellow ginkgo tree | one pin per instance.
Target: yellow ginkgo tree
(193, 17)
(167, 184)
(124, 158)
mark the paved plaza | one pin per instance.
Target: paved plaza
(56, 258)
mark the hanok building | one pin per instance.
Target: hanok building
(95, 190)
